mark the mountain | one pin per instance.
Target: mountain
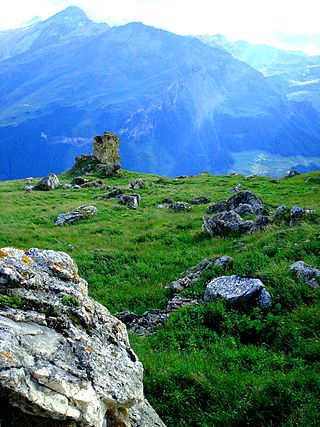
(293, 73)
(179, 105)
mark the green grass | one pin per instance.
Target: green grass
(211, 365)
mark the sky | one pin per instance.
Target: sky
(291, 24)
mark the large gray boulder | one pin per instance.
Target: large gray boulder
(225, 223)
(132, 201)
(236, 289)
(49, 182)
(82, 212)
(306, 273)
(63, 356)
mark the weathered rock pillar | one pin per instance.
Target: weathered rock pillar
(106, 149)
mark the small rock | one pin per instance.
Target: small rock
(113, 192)
(224, 261)
(131, 201)
(137, 184)
(306, 273)
(49, 182)
(235, 289)
(236, 188)
(202, 200)
(79, 180)
(82, 212)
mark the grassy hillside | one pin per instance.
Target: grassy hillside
(211, 365)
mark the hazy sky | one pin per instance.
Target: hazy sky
(283, 23)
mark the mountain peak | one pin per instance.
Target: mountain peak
(71, 13)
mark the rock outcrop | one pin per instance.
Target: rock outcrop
(83, 212)
(194, 273)
(106, 148)
(306, 273)
(242, 197)
(235, 289)
(49, 182)
(291, 173)
(150, 321)
(63, 356)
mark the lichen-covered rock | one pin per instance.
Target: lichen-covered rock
(243, 209)
(82, 212)
(49, 182)
(222, 206)
(235, 289)
(62, 355)
(106, 148)
(132, 201)
(306, 273)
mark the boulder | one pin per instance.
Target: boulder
(282, 213)
(306, 273)
(297, 214)
(82, 212)
(49, 182)
(176, 206)
(225, 223)
(63, 357)
(291, 173)
(132, 201)
(244, 197)
(106, 148)
(112, 193)
(137, 184)
(248, 198)
(235, 289)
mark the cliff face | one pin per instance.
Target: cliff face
(63, 356)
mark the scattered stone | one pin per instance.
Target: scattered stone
(28, 188)
(49, 182)
(291, 173)
(306, 179)
(67, 186)
(137, 184)
(98, 183)
(236, 188)
(202, 200)
(79, 180)
(82, 212)
(282, 213)
(63, 356)
(235, 289)
(176, 206)
(112, 193)
(150, 321)
(132, 201)
(249, 177)
(194, 273)
(306, 273)
(297, 213)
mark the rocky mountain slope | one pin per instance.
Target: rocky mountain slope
(218, 322)
(179, 105)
